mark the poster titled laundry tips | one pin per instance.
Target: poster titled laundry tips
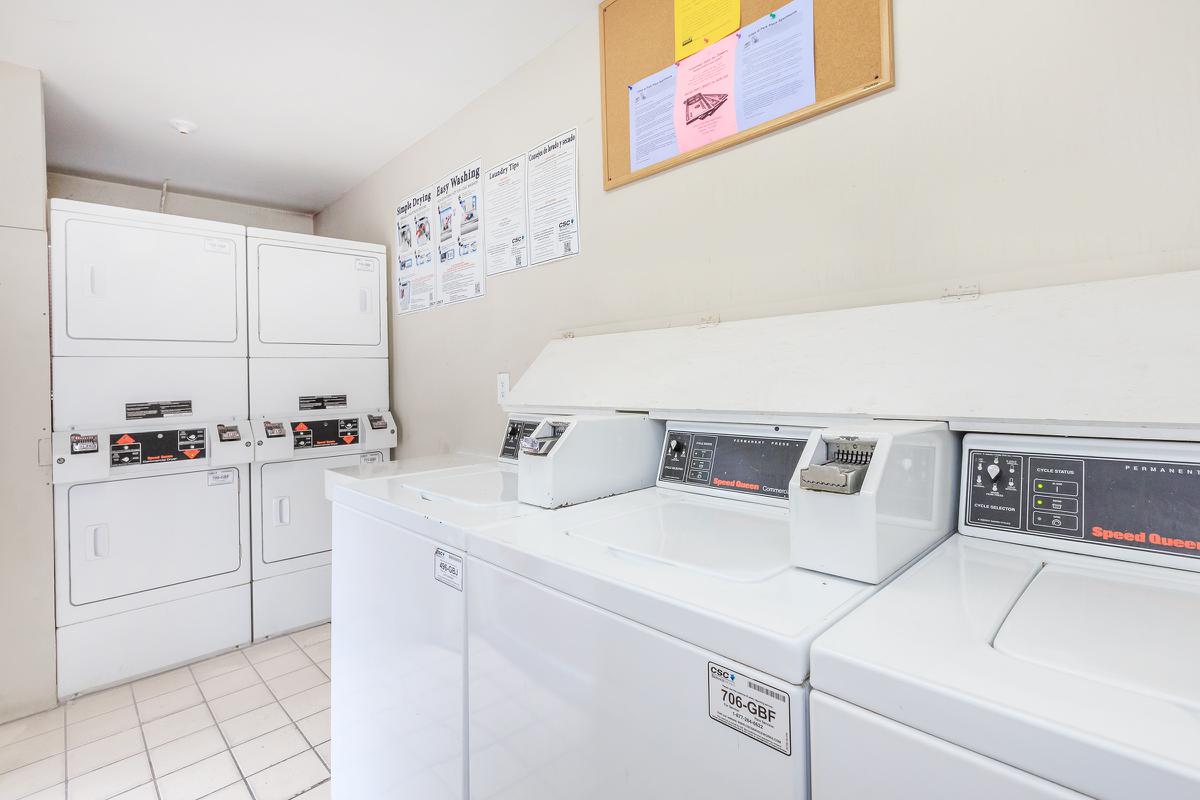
(458, 235)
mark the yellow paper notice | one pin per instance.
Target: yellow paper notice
(699, 23)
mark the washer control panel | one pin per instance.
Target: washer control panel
(742, 463)
(1143, 504)
(514, 432)
(156, 447)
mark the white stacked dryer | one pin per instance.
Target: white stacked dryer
(151, 443)
(318, 400)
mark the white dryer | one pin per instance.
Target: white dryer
(656, 644)
(150, 441)
(152, 548)
(399, 596)
(1048, 651)
(148, 310)
(291, 519)
(318, 377)
(316, 297)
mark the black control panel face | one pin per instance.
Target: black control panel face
(324, 433)
(1144, 505)
(513, 433)
(732, 462)
(156, 447)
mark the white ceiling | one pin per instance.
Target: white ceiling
(296, 100)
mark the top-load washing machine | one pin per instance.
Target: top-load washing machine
(656, 644)
(1047, 651)
(399, 592)
(318, 400)
(150, 444)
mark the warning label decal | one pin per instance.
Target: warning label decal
(750, 707)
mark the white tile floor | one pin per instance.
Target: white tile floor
(249, 724)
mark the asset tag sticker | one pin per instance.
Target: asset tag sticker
(220, 477)
(750, 707)
(223, 246)
(365, 264)
(448, 568)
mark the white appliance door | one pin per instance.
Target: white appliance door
(140, 534)
(856, 753)
(294, 513)
(399, 648)
(570, 702)
(131, 283)
(318, 297)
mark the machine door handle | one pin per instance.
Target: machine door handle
(95, 281)
(281, 509)
(97, 542)
(364, 300)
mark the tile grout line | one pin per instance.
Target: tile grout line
(224, 740)
(140, 724)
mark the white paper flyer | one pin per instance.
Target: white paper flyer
(506, 226)
(554, 199)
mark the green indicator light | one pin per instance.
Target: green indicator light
(1039, 502)
(1041, 485)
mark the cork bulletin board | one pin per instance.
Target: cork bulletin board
(852, 46)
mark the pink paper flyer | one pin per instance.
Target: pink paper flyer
(704, 104)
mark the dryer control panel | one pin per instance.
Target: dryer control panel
(156, 447)
(89, 455)
(751, 460)
(313, 436)
(324, 433)
(1135, 496)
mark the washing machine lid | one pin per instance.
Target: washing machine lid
(442, 504)
(401, 467)
(1074, 668)
(712, 572)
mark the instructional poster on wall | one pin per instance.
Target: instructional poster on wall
(652, 119)
(553, 180)
(458, 234)
(416, 272)
(506, 225)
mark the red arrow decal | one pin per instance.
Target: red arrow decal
(125, 439)
(300, 426)
(347, 439)
(191, 453)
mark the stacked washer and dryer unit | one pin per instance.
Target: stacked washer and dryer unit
(154, 454)
(318, 401)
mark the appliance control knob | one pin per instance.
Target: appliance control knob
(513, 430)
(674, 447)
(993, 471)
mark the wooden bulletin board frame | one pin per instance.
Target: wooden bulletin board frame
(852, 45)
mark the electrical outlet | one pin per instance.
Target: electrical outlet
(501, 387)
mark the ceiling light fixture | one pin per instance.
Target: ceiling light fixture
(184, 126)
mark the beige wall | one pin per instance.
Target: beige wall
(27, 664)
(90, 190)
(1026, 143)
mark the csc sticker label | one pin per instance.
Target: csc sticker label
(750, 707)
(448, 569)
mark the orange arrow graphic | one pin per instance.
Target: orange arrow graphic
(191, 453)
(125, 439)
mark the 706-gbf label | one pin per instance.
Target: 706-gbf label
(750, 707)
